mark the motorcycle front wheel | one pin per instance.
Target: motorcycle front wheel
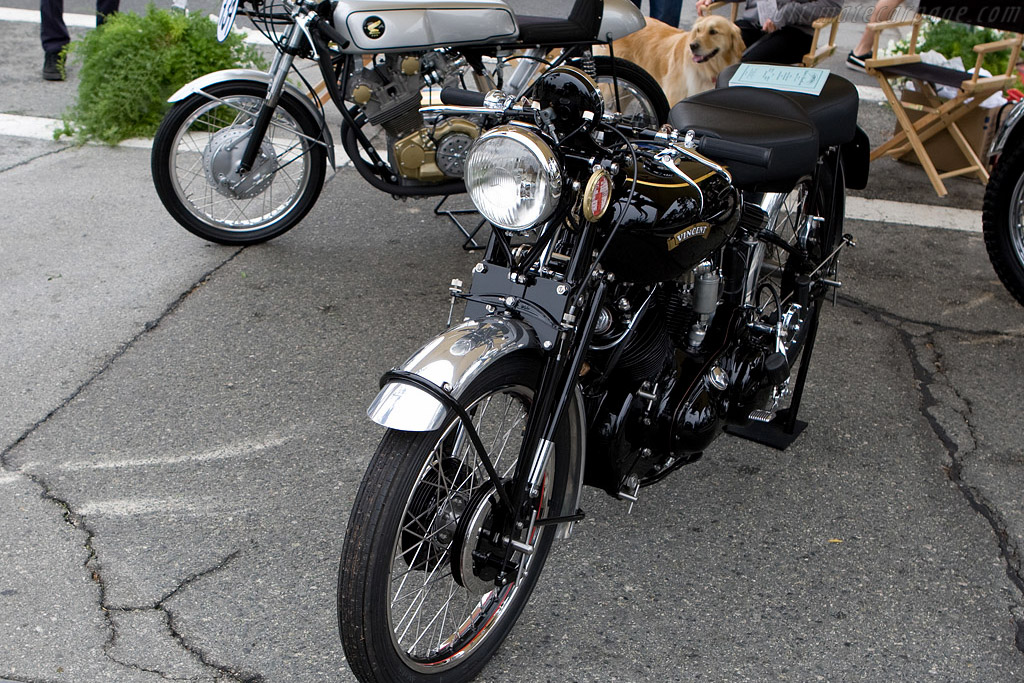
(638, 97)
(1002, 221)
(199, 145)
(413, 603)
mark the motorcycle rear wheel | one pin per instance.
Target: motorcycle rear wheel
(822, 196)
(1002, 221)
(200, 142)
(640, 98)
(402, 614)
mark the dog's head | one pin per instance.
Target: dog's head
(716, 42)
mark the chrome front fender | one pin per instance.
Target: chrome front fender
(452, 361)
(263, 77)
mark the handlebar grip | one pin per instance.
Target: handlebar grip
(725, 150)
(462, 98)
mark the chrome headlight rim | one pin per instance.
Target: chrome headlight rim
(547, 159)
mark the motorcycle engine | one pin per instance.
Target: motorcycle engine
(390, 94)
(676, 381)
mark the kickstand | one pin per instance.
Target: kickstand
(470, 244)
(781, 432)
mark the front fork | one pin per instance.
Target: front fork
(551, 401)
(279, 69)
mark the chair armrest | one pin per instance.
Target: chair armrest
(879, 26)
(822, 22)
(998, 45)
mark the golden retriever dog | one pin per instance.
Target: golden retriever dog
(683, 62)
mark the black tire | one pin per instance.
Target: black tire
(639, 95)
(1003, 221)
(400, 527)
(193, 146)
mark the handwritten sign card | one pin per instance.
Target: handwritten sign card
(774, 77)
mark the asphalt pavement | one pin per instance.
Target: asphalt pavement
(182, 432)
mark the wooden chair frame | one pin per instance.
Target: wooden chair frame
(939, 114)
(818, 52)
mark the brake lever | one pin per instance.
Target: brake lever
(667, 159)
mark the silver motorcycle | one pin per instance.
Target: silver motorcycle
(1003, 215)
(241, 156)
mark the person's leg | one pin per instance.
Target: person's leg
(667, 11)
(53, 32)
(751, 32)
(883, 12)
(786, 45)
(105, 7)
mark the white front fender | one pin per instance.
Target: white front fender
(252, 75)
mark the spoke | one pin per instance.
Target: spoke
(437, 615)
(431, 612)
(444, 620)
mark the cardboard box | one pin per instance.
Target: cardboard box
(978, 127)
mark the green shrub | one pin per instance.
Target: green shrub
(951, 39)
(131, 64)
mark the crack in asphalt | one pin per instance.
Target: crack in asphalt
(169, 618)
(41, 155)
(92, 563)
(929, 372)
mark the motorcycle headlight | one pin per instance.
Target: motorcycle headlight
(513, 177)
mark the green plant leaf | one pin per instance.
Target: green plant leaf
(131, 64)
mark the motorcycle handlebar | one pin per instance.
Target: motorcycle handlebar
(715, 148)
(462, 98)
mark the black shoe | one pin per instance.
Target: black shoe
(857, 61)
(53, 66)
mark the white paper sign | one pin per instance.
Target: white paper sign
(774, 77)
(767, 9)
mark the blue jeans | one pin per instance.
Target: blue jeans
(665, 10)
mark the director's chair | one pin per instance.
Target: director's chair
(939, 115)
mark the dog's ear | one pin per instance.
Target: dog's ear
(736, 45)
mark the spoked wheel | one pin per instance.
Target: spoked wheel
(775, 292)
(197, 150)
(415, 600)
(638, 96)
(1003, 221)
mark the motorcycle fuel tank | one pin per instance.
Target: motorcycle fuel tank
(671, 224)
(389, 25)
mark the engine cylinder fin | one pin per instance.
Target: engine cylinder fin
(678, 312)
(647, 350)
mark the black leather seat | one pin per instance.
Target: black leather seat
(833, 111)
(754, 116)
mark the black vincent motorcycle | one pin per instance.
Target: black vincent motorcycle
(641, 292)
(241, 156)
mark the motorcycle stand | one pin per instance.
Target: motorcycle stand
(451, 214)
(782, 431)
